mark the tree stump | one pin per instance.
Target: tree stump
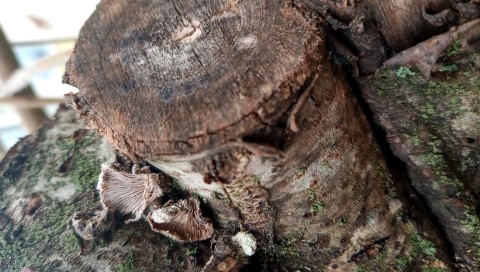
(179, 78)
(240, 103)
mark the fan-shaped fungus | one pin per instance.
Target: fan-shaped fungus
(127, 193)
(181, 221)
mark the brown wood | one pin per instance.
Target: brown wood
(238, 102)
(365, 32)
(32, 119)
(159, 78)
(401, 21)
(241, 105)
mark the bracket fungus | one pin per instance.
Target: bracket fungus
(181, 221)
(127, 193)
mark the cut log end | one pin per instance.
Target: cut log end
(178, 78)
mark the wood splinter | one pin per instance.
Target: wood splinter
(292, 123)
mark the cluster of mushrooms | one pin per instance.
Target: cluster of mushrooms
(132, 193)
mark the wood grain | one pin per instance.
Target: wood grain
(179, 77)
(401, 21)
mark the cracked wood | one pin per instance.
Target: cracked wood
(174, 78)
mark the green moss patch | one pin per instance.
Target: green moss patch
(49, 162)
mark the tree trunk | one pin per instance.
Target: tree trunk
(239, 103)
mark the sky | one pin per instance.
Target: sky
(43, 20)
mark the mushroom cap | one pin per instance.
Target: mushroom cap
(174, 78)
(181, 221)
(127, 193)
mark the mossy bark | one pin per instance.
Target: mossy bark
(330, 202)
(47, 177)
(315, 229)
(433, 125)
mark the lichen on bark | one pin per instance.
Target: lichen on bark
(433, 125)
(60, 164)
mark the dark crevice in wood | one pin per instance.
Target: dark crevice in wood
(198, 58)
(378, 244)
(178, 11)
(274, 136)
(469, 140)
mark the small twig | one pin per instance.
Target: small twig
(292, 123)
(425, 54)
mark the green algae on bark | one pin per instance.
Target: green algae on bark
(433, 125)
(48, 176)
(60, 165)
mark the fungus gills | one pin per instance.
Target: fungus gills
(127, 193)
(181, 221)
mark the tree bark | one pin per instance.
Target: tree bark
(266, 132)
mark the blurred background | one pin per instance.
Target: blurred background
(36, 39)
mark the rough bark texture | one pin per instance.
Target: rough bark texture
(399, 22)
(52, 174)
(433, 125)
(299, 138)
(304, 175)
(366, 32)
(202, 72)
